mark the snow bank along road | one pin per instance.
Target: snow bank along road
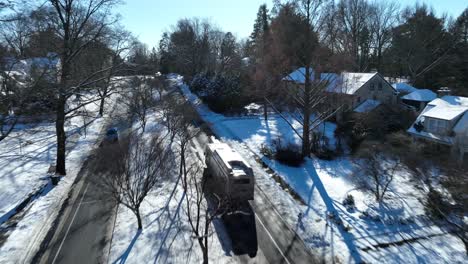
(276, 240)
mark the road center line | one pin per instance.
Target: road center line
(71, 223)
(272, 239)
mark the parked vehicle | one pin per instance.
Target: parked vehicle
(112, 136)
(233, 176)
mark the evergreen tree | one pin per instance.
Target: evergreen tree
(459, 58)
(164, 55)
(260, 30)
(420, 45)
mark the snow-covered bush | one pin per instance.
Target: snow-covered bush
(348, 202)
(224, 94)
(200, 84)
(288, 153)
(266, 151)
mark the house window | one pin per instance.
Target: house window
(440, 126)
(359, 99)
(371, 87)
(436, 126)
(380, 86)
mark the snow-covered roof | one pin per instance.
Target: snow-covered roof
(298, 76)
(446, 108)
(394, 80)
(421, 95)
(349, 82)
(367, 105)
(227, 154)
(402, 87)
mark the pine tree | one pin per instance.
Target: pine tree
(261, 27)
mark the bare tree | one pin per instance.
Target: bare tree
(139, 164)
(120, 41)
(16, 32)
(304, 19)
(178, 117)
(383, 17)
(78, 23)
(141, 100)
(202, 208)
(375, 169)
(354, 36)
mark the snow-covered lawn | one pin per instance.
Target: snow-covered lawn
(23, 171)
(25, 157)
(166, 236)
(393, 232)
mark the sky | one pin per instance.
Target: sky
(148, 19)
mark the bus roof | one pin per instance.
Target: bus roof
(227, 154)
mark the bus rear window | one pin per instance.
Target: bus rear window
(241, 181)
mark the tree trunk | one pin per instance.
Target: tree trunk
(265, 109)
(61, 137)
(204, 249)
(60, 119)
(205, 255)
(101, 106)
(137, 213)
(306, 113)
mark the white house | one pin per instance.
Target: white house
(444, 121)
(361, 92)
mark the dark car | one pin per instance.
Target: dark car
(112, 136)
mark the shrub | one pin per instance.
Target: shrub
(288, 154)
(267, 151)
(222, 94)
(200, 83)
(436, 206)
(348, 202)
(325, 153)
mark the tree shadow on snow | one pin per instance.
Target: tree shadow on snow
(123, 258)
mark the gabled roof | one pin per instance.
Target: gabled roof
(349, 82)
(446, 108)
(421, 95)
(298, 76)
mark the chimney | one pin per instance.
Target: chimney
(443, 91)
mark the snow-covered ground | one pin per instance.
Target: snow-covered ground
(25, 159)
(166, 236)
(393, 232)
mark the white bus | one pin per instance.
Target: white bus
(233, 175)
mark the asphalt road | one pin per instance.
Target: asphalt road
(84, 229)
(82, 233)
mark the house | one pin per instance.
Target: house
(293, 82)
(444, 121)
(352, 89)
(349, 90)
(419, 98)
(41, 67)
